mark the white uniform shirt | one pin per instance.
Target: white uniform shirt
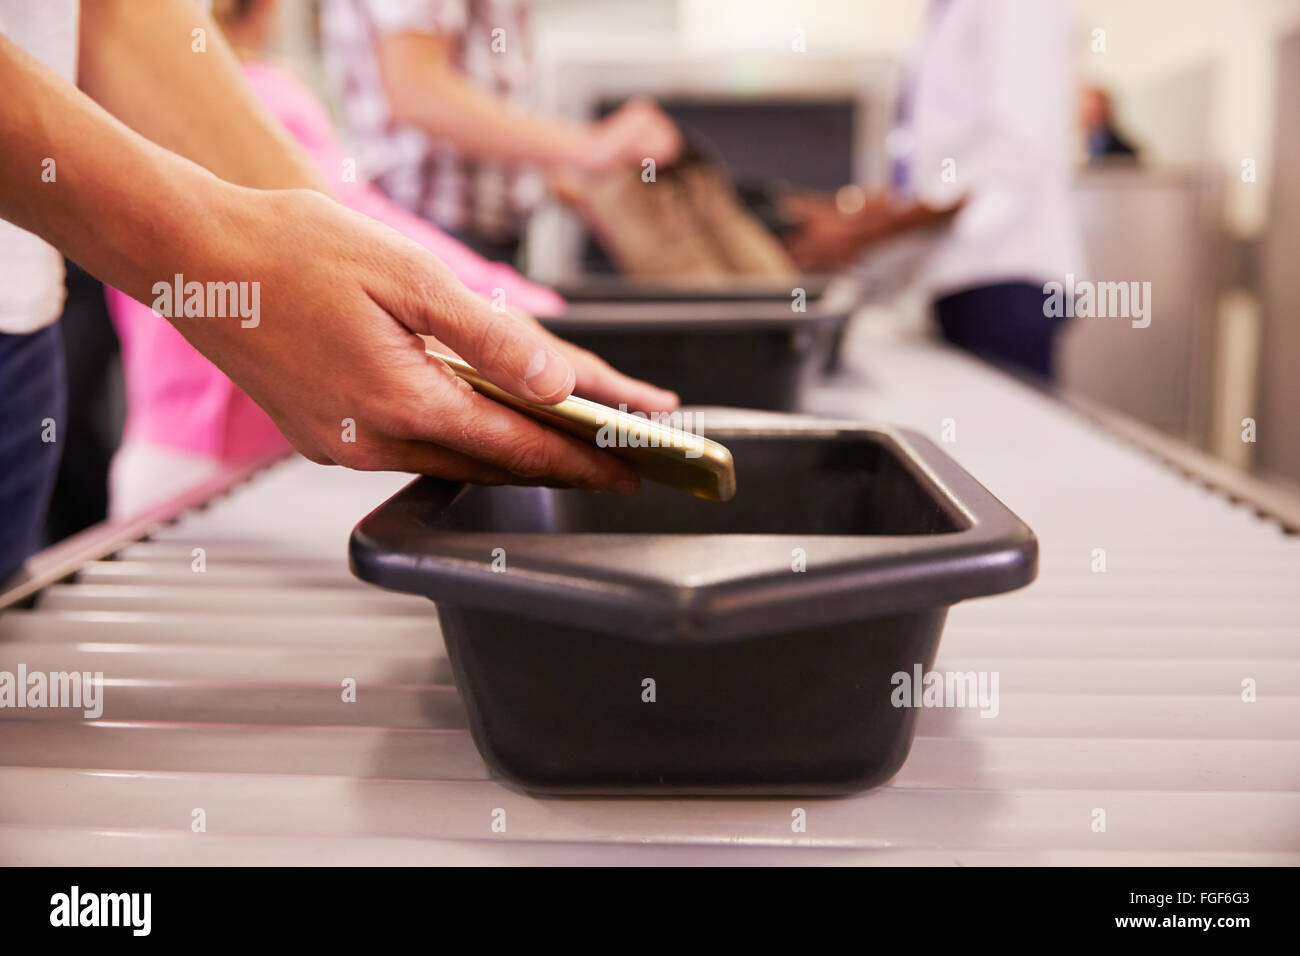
(990, 104)
(31, 270)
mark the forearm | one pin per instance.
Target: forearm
(884, 218)
(427, 91)
(910, 216)
(138, 61)
(129, 211)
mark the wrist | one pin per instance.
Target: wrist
(580, 147)
(189, 221)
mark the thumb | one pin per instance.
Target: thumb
(512, 353)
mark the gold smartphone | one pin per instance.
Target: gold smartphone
(670, 456)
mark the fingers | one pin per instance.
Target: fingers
(515, 353)
(454, 416)
(663, 140)
(821, 243)
(432, 343)
(597, 380)
(600, 382)
(805, 254)
(635, 131)
(421, 458)
(567, 187)
(520, 358)
(423, 419)
(801, 206)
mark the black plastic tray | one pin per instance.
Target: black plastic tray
(599, 288)
(748, 354)
(766, 679)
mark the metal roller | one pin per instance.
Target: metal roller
(1120, 689)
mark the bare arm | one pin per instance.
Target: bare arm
(828, 238)
(343, 299)
(145, 64)
(102, 173)
(426, 90)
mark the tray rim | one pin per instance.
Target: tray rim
(615, 318)
(851, 577)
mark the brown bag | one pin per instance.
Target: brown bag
(743, 242)
(687, 224)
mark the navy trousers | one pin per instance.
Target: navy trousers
(32, 414)
(1003, 323)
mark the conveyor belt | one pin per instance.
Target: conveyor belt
(1120, 691)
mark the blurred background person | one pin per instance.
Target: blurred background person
(185, 419)
(980, 153)
(433, 94)
(1103, 142)
(93, 420)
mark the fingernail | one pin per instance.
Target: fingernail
(548, 374)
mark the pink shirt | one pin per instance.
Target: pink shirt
(178, 399)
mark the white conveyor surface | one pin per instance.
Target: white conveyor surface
(1120, 691)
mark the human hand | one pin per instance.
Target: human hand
(595, 378)
(825, 236)
(344, 301)
(833, 233)
(636, 131)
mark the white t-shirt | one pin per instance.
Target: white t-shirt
(990, 116)
(31, 270)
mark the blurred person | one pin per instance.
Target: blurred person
(432, 93)
(980, 156)
(1103, 142)
(165, 165)
(185, 418)
(93, 422)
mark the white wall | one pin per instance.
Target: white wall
(1149, 41)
